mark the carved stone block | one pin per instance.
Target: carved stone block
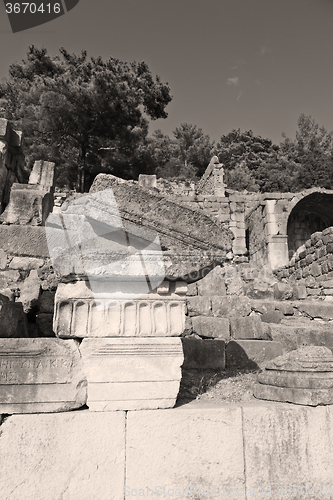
(303, 376)
(132, 374)
(79, 313)
(40, 376)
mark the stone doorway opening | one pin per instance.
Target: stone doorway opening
(311, 214)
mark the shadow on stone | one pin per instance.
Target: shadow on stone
(204, 368)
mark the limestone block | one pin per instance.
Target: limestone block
(272, 317)
(283, 291)
(296, 443)
(43, 175)
(79, 313)
(199, 306)
(24, 240)
(316, 310)
(249, 328)
(211, 327)
(28, 205)
(132, 374)
(184, 448)
(230, 306)
(25, 263)
(8, 278)
(68, 456)
(3, 259)
(30, 291)
(147, 181)
(299, 292)
(251, 354)
(300, 334)
(203, 354)
(213, 283)
(40, 375)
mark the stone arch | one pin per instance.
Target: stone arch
(308, 212)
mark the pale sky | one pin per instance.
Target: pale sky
(248, 64)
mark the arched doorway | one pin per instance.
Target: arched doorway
(312, 213)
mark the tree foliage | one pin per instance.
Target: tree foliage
(75, 107)
(187, 154)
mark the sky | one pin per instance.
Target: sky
(249, 64)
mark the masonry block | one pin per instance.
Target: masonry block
(250, 327)
(203, 354)
(213, 283)
(303, 456)
(230, 306)
(165, 448)
(251, 354)
(40, 375)
(211, 327)
(199, 306)
(72, 456)
(132, 374)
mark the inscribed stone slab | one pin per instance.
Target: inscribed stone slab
(40, 375)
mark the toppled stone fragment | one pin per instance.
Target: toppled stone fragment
(40, 376)
(303, 376)
(132, 374)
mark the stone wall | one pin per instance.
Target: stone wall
(312, 265)
(257, 450)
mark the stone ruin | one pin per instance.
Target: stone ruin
(119, 296)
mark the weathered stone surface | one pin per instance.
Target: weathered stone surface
(13, 322)
(303, 376)
(310, 397)
(199, 306)
(272, 317)
(213, 283)
(30, 291)
(177, 449)
(72, 456)
(203, 354)
(260, 290)
(203, 241)
(230, 306)
(296, 443)
(251, 354)
(147, 181)
(304, 359)
(78, 312)
(285, 378)
(316, 310)
(292, 337)
(42, 175)
(250, 327)
(40, 375)
(24, 240)
(132, 374)
(8, 277)
(3, 259)
(28, 205)
(25, 263)
(211, 327)
(283, 291)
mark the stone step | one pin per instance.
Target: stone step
(298, 335)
